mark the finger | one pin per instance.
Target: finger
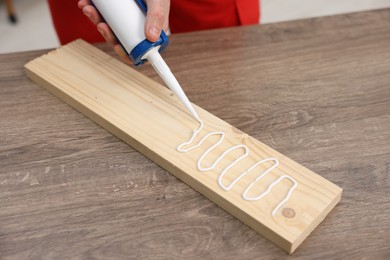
(166, 24)
(119, 50)
(92, 14)
(82, 3)
(107, 34)
(167, 7)
(156, 18)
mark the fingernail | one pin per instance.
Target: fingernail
(86, 13)
(153, 31)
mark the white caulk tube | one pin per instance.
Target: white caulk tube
(127, 20)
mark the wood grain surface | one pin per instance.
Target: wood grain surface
(316, 90)
(152, 120)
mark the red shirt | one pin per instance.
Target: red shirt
(185, 15)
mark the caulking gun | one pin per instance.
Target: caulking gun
(127, 21)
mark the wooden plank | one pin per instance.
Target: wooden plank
(149, 117)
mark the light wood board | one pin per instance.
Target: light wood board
(150, 118)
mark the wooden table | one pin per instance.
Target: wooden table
(316, 90)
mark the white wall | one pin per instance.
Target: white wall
(285, 10)
(34, 30)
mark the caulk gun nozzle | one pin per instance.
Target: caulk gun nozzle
(165, 73)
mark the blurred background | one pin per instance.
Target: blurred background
(34, 30)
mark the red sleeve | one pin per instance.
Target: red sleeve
(185, 15)
(70, 22)
(192, 15)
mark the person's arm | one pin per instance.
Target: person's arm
(156, 20)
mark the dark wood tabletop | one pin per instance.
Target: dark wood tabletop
(317, 90)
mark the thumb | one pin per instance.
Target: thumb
(155, 18)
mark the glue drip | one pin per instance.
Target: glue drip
(244, 195)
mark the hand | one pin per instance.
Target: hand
(156, 20)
